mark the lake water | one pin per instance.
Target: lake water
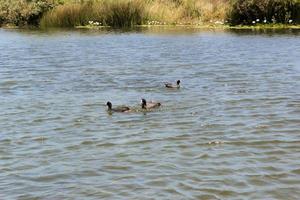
(232, 131)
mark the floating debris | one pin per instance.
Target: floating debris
(216, 142)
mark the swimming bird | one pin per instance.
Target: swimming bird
(170, 85)
(117, 109)
(150, 105)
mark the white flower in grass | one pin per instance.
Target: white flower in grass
(218, 22)
(290, 21)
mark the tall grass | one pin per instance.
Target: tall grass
(117, 13)
(162, 11)
(187, 11)
(126, 13)
(214, 9)
(68, 15)
(120, 13)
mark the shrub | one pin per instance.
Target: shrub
(23, 12)
(279, 11)
(39, 8)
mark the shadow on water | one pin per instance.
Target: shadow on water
(268, 32)
(109, 30)
(155, 30)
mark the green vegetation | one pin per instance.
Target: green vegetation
(24, 12)
(126, 13)
(265, 11)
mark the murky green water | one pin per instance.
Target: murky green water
(231, 132)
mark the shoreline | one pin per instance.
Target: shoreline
(188, 26)
(204, 26)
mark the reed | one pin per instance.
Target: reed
(126, 13)
(213, 10)
(68, 15)
(116, 13)
(163, 12)
(120, 13)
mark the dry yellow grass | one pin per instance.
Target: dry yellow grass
(70, 13)
(133, 12)
(157, 12)
(188, 11)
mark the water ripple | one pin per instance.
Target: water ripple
(230, 132)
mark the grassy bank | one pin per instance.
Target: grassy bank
(135, 12)
(126, 13)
